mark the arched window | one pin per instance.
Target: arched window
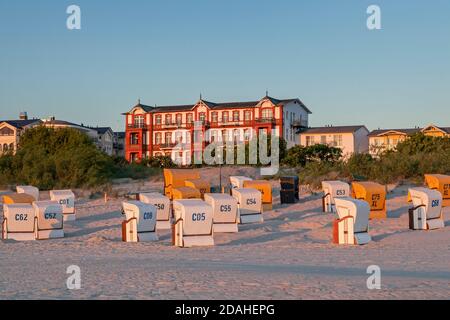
(1, 148)
(11, 146)
(5, 147)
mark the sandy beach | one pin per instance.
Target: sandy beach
(289, 256)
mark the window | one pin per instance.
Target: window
(158, 119)
(134, 157)
(6, 132)
(247, 134)
(179, 119)
(178, 137)
(267, 113)
(168, 118)
(224, 135)
(247, 115)
(168, 137)
(134, 139)
(188, 137)
(236, 135)
(236, 116)
(5, 147)
(139, 121)
(202, 116)
(158, 138)
(309, 140)
(189, 118)
(323, 139)
(337, 139)
(214, 117)
(225, 116)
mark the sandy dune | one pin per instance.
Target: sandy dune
(289, 256)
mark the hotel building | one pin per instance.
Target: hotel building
(169, 130)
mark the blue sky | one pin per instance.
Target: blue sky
(167, 52)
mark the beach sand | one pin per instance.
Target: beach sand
(289, 256)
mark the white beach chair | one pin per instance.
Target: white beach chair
(352, 225)
(426, 213)
(225, 213)
(30, 190)
(193, 223)
(18, 222)
(237, 182)
(332, 190)
(249, 202)
(66, 198)
(140, 222)
(49, 220)
(162, 204)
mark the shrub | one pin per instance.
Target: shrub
(300, 156)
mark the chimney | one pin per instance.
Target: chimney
(23, 116)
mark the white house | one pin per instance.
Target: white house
(350, 139)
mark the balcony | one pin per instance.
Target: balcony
(184, 125)
(137, 147)
(171, 145)
(221, 123)
(137, 126)
(299, 124)
(265, 121)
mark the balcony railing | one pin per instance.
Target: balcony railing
(137, 147)
(171, 145)
(299, 124)
(137, 126)
(265, 120)
(218, 124)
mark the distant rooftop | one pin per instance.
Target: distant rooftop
(332, 129)
(20, 123)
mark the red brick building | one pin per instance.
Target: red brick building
(169, 130)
